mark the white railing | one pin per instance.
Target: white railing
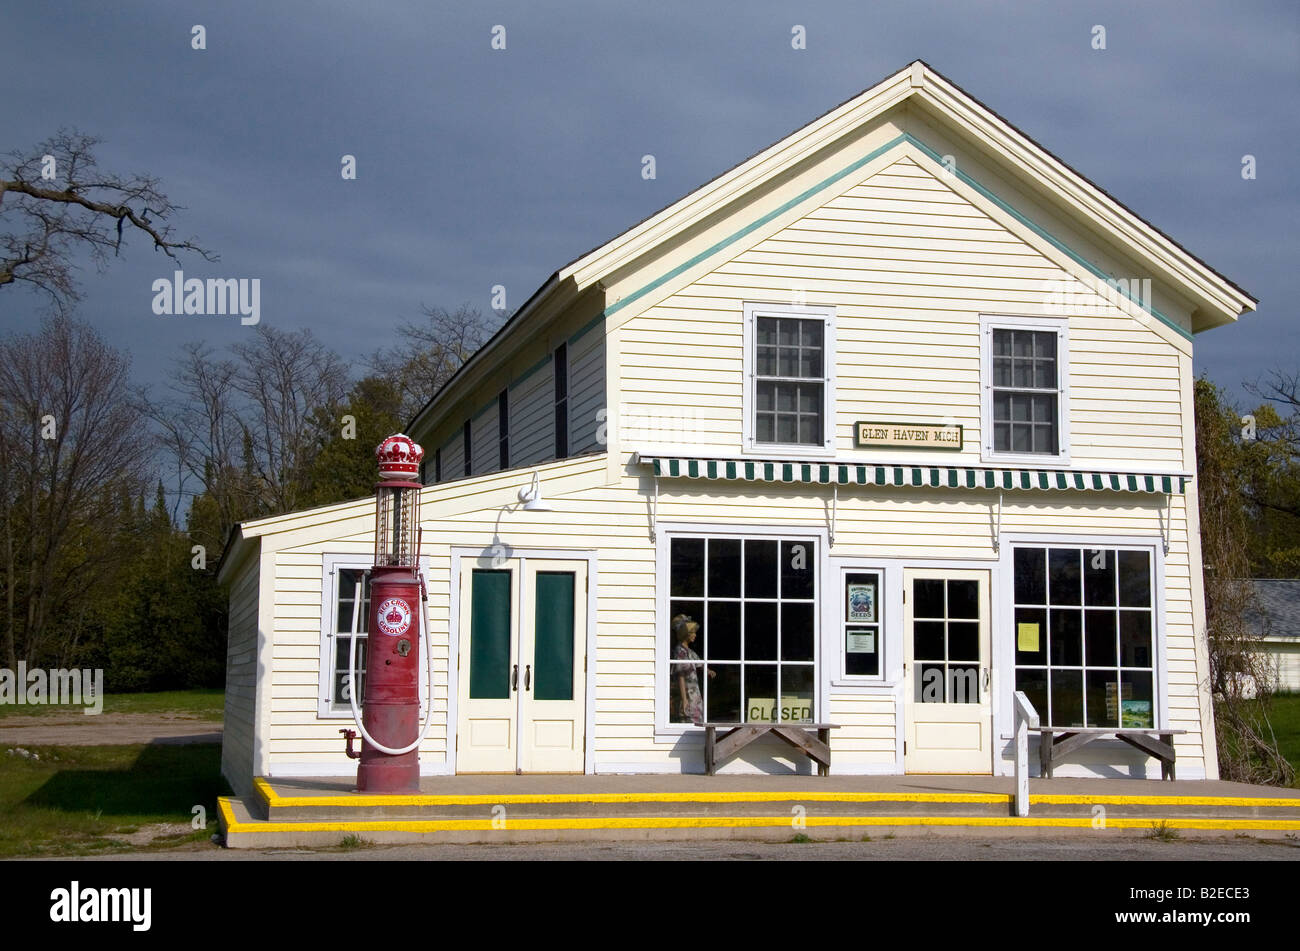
(1026, 717)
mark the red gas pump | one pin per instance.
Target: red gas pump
(389, 724)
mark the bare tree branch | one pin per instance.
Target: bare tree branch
(55, 200)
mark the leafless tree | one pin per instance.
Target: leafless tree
(431, 351)
(72, 445)
(286, 378)
(56, 199)
(199, 433)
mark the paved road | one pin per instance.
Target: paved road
(945, 847)
(106, 729)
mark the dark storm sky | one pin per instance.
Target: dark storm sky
(479, 167)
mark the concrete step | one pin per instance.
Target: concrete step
(321, 815)
(786, 806)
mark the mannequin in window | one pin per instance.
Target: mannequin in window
(685, 699)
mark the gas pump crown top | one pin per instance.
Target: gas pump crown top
(399, 457)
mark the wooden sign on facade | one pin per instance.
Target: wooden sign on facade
(870, 434)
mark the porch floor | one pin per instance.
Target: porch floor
(650, 785)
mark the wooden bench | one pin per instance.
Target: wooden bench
(811, 739)
(1055, 743)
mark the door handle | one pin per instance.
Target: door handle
(528, 676)
(986, 678)
(514, 678)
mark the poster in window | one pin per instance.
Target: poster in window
(1027, 638)
(862, 601)
(862, 641)
(1137, 713)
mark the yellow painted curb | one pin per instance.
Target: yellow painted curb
(1084, 799)
(272, 798)
(733, 822)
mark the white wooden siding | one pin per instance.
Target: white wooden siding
(532, 418)
(240, 717)
(586, 390)
(909, 264)
(484, 441)
(453, 458)
(613, 520)
(1284, 655)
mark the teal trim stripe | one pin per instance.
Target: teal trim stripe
(539, 365)
(849, 170)
(587, 328)
(776, 213)
(1046, 236)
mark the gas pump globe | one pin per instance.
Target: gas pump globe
(390, 726)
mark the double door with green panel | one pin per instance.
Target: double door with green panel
(523, 638)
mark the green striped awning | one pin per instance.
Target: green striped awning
(907, 476)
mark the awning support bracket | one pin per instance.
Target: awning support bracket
(997, 526)
(835, 500)
(654, 507)
(1166, 518)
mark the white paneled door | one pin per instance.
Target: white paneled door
(523, 638)
(947, 700)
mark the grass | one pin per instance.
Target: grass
(1163, 832)
(201, 703)
(1284, 715)
(82, 800)
(353, 841)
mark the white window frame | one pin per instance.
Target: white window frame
(328, 632)
(752, 311)
(889, 612)
(1004, 629)
(992, 322)
(672, 732)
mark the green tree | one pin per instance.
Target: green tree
(1240, 673)
(344, 463)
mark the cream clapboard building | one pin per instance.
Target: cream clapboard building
(899, 410)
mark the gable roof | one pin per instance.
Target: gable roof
(1275, 609)
(1217, 299)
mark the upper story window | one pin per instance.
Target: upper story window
(469, 456)
(437, 465)
(1024, 370)
(789, 378)
(561, 401)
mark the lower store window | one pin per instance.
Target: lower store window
(1084, 632)
(742, 630)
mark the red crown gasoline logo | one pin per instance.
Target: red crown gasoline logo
(399, 457)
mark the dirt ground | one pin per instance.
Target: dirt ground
(106, 729)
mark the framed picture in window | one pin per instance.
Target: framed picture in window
(862, 601)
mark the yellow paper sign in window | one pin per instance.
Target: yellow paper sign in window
(1027, 638)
